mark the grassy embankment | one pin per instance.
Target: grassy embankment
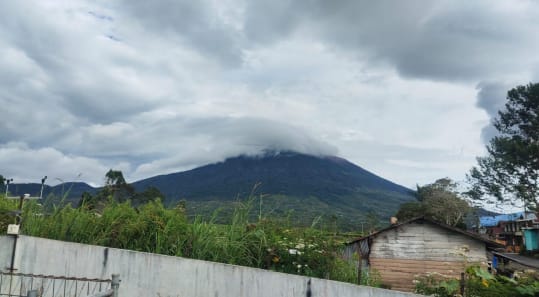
(267, 243)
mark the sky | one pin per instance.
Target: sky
(404, 89)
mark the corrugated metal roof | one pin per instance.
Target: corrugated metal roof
(491, 221)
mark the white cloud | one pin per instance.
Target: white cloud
(24, 164)
(156, 87)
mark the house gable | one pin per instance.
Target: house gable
(421, 240)
(403, 251)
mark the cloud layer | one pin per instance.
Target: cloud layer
(405, 89)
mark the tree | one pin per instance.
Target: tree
(410, 210)
(150, 194)
(438, 201)
(372, 221)
(117, 187)
(114, 178)
(510, 170)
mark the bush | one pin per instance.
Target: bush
(436, 284)
(479, 283)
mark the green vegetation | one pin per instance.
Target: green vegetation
(6, 207)
(511, 169)
(478, 283)
(299, 211)
(330, 190)
(312, 186)
(438, 201)
(117, 189)
(266, 243)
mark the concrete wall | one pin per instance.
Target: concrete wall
(147, 275)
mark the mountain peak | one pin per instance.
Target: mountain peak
(278, 172)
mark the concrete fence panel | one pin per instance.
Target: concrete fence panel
(146, 275)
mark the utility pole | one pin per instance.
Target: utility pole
(8, 181)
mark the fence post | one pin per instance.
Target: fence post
(115, 284)
(32, 293)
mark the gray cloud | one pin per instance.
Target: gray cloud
(440, 40)
(270, 21)
(491, 97)
(160, 86)
(193, 22)
(207, 140)
(25, 164)
(78, 69)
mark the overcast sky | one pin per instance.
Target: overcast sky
(405, 89)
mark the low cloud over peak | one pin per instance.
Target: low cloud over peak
(151, 87)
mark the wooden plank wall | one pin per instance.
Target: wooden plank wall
(427, 241)
(418, 248)
(399, 274)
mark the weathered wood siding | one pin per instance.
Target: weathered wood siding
(400, 273)
(425, 241)
(417, 248)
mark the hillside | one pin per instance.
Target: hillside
(294, 174)
(72, 191)
(308, 185)
(300, 186)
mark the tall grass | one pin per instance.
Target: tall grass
(6, 216)
(268, 243)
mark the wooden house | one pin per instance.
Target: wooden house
(402, 251)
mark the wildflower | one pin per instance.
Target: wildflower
(485, 283)
(294, 252)
(300, 245)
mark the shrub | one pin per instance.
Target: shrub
(479, 283)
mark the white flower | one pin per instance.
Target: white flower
(294, 252)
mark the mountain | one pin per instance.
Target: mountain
(72, 191)
(309, 185)
(301, 187)
(288, 173)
